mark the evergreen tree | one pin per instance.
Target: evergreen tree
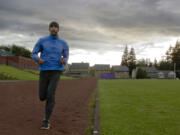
(147, 62)
(155, 64)
(124, 61)
(131, 60)
(176, 57)
(169, 54)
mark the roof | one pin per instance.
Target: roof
(101, 67)
(148, 69)
(4, 53)
(151, 69)
(120, 68)
(79, 65)
(166, 71)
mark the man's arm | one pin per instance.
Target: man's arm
(37, 48)
(65, 54)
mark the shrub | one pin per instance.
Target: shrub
(141, 74)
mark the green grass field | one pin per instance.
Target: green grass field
(19, 74)
(140, 107)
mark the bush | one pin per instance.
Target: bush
(141, 74)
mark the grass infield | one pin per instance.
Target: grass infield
(140, 107)
(13, 73)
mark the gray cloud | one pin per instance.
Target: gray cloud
(113, 15)
(100, 26)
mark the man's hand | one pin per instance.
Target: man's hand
(41, 61)
(62, 60)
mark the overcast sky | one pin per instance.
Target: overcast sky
(96, 30)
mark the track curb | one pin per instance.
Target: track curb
(96, 130)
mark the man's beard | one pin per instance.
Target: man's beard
(54, 33)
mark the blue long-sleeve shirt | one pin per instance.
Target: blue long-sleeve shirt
(51, 49)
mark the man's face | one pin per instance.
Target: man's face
(54, 30)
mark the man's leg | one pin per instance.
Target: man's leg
(43, 85)
(50, 102)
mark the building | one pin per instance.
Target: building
(153, 73)
(166, 74)
(101, 70)
(121, 72)
(79, 70)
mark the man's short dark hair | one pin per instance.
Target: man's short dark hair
(55, 24)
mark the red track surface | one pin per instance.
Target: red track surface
(21, 112)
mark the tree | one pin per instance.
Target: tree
(17, 50)
(169, 54)
(125, 56)
(165, 65)
(141, 63)
(141, 74)
(5, 48)
(148, 62)
(155, 64)
(176, 57)
(131, 60)
(20, 51)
